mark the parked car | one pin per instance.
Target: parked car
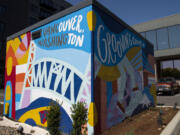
(167, 85)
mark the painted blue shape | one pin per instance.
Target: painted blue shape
(20, 38)
(62, 68)
(65, 123)
(68, 92)
(48, 65)
(36, 69)
(59, 88)
(77, 84)
(42, 65)
(148, 94)
(43, 83)
(63, 55)
(52, 81)
(67, 73)
(30, 122)
(18, 97)
(38, 84)
(109, 92)
(33, 83)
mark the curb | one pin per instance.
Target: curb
(173, 127)
(167, 106)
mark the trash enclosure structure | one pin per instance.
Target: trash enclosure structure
(84, 53)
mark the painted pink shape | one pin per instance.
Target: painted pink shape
(19, 53)
(26, 98)
(25, 41)
(84, 92)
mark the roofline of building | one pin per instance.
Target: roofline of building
(158, 23)
(69, 10)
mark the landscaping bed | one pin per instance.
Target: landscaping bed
(144, 123)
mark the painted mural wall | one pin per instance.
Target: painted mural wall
(123, 72)
(56, 66)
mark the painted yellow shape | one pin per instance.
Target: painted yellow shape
(9, 66)
(22, 36)
(9, 43)
(92, 115)
(8, 93)
(34, 115)
(24, 59)
(6, 108)
(16, 43)
(132, 52)
(153, 92)
(109, 73)
(91, 19)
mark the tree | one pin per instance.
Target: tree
(79, 117)
(53, 118)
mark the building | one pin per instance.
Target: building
(18, 14)
(164, 34)
(84, 53)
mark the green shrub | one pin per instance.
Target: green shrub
(79, 117)
(53, 118)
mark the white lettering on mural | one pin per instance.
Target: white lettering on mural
(67, 32)
(114, 46)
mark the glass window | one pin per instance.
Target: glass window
(151, 36)
(2, 10)
(143, 34)
(2, 28)
(162, 39)
(177, 64)
(174, 36)
(167, 64)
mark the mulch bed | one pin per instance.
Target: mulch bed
(1, 109)
(144, 123)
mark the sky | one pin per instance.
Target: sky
(139, 11)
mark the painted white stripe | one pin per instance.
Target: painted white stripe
(21, 68)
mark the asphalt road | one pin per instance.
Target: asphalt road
(168, 100)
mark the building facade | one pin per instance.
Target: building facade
(164, 34)
(17, 15)
(82, 54)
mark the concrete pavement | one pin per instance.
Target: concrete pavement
(168, 100)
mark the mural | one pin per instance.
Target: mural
(123, 72)
(84, 56)
(55, 66)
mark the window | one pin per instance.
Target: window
(167, 64)
(177, 64)
(34, 9)
(162, 39)
(174, 36)
(143, 34)
(32, 20)
(2, 28)
(151, 36)
(2, 10)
